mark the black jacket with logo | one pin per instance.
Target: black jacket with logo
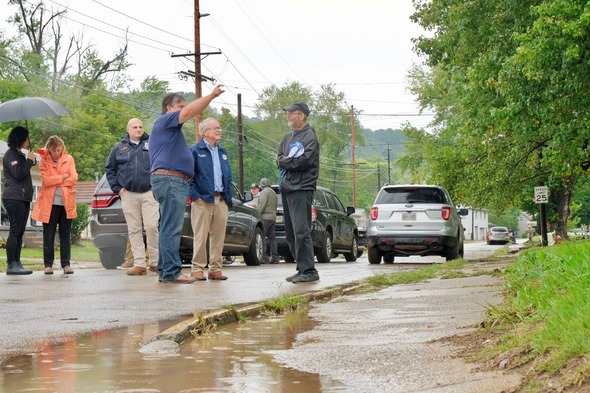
(128, 165)
(299, 160)
(18, 183)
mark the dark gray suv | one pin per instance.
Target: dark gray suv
(243, 236)
(414, 220)
(334, 231)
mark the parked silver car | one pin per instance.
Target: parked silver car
(414, 219)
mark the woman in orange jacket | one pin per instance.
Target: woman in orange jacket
(56, 202)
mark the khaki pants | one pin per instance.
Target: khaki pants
(142, 211)
(208, 219)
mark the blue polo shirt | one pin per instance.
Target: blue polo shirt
(168, 147)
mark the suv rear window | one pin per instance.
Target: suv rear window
(411, 195)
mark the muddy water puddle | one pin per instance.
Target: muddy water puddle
(231, 359)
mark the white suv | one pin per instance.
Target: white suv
(414, 219)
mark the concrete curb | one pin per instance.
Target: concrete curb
(181, 331)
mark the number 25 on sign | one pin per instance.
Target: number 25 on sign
(541, 195)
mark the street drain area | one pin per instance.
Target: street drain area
(233, 358)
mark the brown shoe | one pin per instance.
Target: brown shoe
(199, 276)
(153, 268)
(217, 276)
(48, 270)
(126, 266)
(137, 271)
(68, 270)
(182, 279)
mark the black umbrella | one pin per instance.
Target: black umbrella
(30, 108)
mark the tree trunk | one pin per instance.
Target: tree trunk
(561, 199)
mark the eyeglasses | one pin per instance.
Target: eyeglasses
(213, 128)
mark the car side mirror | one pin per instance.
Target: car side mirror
(247, 196)
(463, 212)
(350, 210)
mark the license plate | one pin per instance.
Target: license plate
(279, 219)
(408, 216)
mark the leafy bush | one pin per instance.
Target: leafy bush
(80, 223)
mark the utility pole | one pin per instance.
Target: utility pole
(196, 74)
(353, 160)
(388, 165)
(240, 147)
(198, 89)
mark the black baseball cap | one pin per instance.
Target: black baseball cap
(298, 106)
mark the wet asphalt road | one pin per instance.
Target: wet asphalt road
(40, 307)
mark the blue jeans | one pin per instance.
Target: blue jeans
(171, 193)
(297, 215)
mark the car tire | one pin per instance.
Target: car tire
(388, 258)
(325, 253)
(354, 249)
(359, 253)
(452, 253)
(254, 255)
(111, 257)
(374, 255)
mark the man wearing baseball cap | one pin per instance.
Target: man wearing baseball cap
(299, 163)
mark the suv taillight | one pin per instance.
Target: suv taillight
(314, 214)
(103, 200)
(374, 212)
(446, 212)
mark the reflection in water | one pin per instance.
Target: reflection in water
(233, 359)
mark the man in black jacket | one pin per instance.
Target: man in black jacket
(128, 174)
(299, 164)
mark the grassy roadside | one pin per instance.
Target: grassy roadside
(542, 328)
(32, 258)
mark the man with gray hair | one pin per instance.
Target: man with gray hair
(267, 206)
(211, 196)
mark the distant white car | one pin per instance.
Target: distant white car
(498, 235)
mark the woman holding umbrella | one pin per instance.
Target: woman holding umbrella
(56, 203)
(17, 195)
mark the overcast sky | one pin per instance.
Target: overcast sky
(363, 47)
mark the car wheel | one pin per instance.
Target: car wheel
(254, 255)
(452, 253)
(374, 255)
(388, 258)
(111, 257)
(354, 249)
(325, 253)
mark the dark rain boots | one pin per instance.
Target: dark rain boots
(16, 268)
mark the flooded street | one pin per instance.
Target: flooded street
(382, 341)
(231, 359)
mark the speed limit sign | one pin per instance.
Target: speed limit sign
(541, 194)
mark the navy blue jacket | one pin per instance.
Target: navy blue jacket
(128, 165)
(203, 184)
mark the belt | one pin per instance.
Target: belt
(218, 193)
(167, 172)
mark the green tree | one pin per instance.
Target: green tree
(80, 223)
(506, 81)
